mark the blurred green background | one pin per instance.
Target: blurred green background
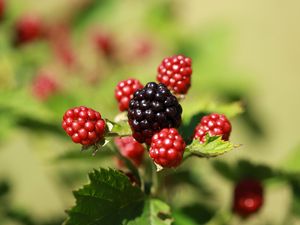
(241, 51)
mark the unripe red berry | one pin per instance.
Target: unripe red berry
(248, 197)
(84, 125)
(28, 28)
(215, 125)
(124, 92)
(130, 149)
(44, 86)
(175, 72)
(167, 148)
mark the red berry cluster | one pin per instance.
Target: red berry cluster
(44, 86)
(213, 124)
(84, 125)
(124, 92)
(175, 72)
(28, 28)
(131, 149)
(248, 197)
(167, 147)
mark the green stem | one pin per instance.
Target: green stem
(154, 178)
(127, 162)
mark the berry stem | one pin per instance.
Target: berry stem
(154, 179)
(127, 162)
(187, 155)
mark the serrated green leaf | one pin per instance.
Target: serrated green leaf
(214, 146)
(110, 198)
(155, 212)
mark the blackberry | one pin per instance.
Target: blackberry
(151, 109)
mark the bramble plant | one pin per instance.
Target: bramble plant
(154, 119)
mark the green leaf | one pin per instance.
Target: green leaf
(110, 198)
(183, 219)
(121, 128)
(155, 212)
(194, 214)
(214, 146)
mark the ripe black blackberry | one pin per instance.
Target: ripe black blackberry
(152, 109)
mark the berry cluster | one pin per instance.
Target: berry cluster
(167, 148)
(248, 197)
(124, 92)
(84, 125)
(130, 149)
(153, 114)
(152, 109)
(175, 72)
(213, 124)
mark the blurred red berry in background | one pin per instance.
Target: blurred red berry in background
(2, 9)
(142, 48)
(248, 197)
(28, 29)
(59, 36)
(104, 43)
(43, 86)
(130, 149)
